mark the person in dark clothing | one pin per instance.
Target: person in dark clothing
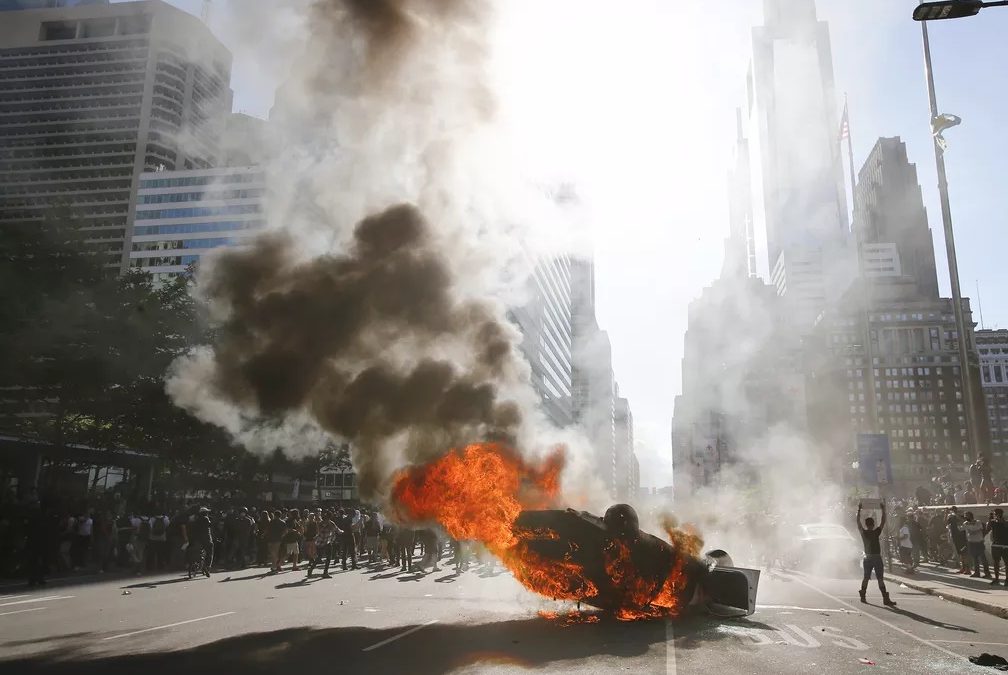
(432, 550)
(406, 542)
(998, 530)
(37, 535)
(275, 531)
(958, 538)
(918, 536)
(201, 544)
(873, 555)
(348, 541)
(388, 537)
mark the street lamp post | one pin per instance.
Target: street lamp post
(952, 9)
(972, 430)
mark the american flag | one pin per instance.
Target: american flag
(844, 124)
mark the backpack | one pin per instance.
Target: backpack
(158, 529)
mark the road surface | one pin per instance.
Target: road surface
(383, 621)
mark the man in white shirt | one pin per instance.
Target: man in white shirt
(82, 541)
(906, 545)
(974, 530)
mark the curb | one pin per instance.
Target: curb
(1001, 612)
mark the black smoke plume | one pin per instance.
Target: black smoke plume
(352, 338)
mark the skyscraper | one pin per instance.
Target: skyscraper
(791, 108)
(890, 220)
(93, 95)
(545, 323)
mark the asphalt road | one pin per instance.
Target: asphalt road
(386, 622)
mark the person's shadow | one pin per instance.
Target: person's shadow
(929, 621)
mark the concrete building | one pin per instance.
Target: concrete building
(182, 215)
(627, 469)
(890, 221)
(911, 384)
(800, 200)
(595, 390)
(94, 95)
(992, 346)
(547, 335)
(741, 380)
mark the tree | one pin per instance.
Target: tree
(83, 351)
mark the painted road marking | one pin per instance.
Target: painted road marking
(793, 636)
(809, 609)
(973, 642)
(879, 619)
(48, 597)
(170, 625)
(670, 661)
(22, 611)
(401, 635)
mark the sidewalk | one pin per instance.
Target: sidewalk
(963, 589)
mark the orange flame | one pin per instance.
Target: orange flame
(477, 493)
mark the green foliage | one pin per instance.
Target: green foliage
(83, 350)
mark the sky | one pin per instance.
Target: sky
(635, 102)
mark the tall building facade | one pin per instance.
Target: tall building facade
(547, 336)
(791, 106)
(182, 215)
(992, 346)
(627, 468)
(911, 388)
(890, 221)
(595, 390)
(94, 95)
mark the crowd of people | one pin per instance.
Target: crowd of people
(957, 538)
(197, 539)
(979, 488)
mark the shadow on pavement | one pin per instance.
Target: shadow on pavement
(163, 582)
(438, 648)
(929, 621)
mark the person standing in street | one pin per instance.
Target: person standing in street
(998, 529)
(974, 530)
(348, 539)
(201, 543)
(918, 537)
(275, 530)
(906, 545)
(958, 539)
(873, 555)
(157, 544)
(82, 541)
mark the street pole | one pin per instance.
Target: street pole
(972, 434)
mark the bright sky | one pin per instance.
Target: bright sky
(636, 100)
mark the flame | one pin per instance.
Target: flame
(477, 493)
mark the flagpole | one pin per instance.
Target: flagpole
(850, 157)
(866, 290)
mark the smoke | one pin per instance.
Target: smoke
(374, 310)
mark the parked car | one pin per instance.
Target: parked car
(825, 548)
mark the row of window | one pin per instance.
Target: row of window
(198, 211)
(212, 242)
(193, 228)
(176, 197)
(186, 181)
(164, 261)
(996, 370)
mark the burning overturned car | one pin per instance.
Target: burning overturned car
(632, 573)
(487, 492)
